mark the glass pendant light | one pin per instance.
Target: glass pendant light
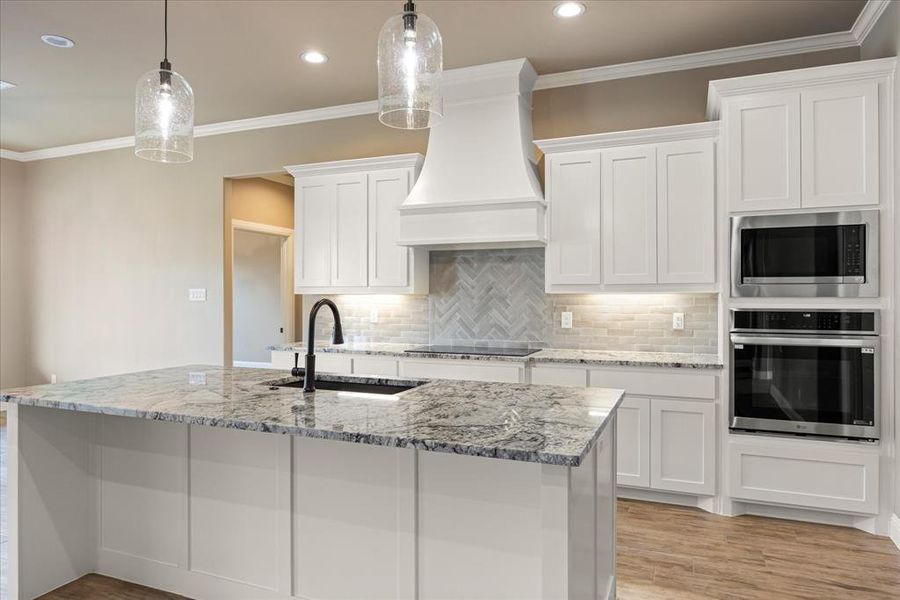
(410, 63)
(164, 111)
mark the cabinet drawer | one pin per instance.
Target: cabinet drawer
(803, 473)
(341, 364)
(463, 369)
(545, 375)
(649, 383)
(283, 359)
(375, 365)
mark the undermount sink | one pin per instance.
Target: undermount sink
(353, 386)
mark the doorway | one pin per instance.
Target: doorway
(261, 309)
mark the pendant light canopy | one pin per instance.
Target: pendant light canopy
(410, 64)
(164, 112)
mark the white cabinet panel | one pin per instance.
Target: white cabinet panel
(339, 363)
(840, 145)
(313, 200)
(683, 446)
(628, 207)
(633, 442)
(240, 499)
(655, 383)
(803, 473)
(375, 365)
(573, 248)
(763, 151)
(350, 242)
(686, 212)
(550, 375)
(143, 488)
(388, 261)
(464, 370)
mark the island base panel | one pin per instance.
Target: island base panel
(229, 514)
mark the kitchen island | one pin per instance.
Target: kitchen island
(179, 479)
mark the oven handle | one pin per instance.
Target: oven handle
(831, 341)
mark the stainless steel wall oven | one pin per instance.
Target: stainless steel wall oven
(802, 255)
(813, 372)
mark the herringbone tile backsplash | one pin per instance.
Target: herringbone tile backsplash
(497, 297)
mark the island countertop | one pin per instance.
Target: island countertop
(533, 423)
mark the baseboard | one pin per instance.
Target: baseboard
(895, 530)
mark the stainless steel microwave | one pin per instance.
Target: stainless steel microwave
(805, 255)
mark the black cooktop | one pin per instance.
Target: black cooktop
(480, 350)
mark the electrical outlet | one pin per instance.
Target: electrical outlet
(197, 294)
(53, 378)
(566, 321)
(373, 314)
(678, 321)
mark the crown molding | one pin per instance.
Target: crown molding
(653, 135)
(354, 165)
(863, 25)
(867, 18)
(782, 80)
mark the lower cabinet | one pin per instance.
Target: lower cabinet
(667, 445)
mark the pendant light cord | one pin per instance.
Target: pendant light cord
(166, 30)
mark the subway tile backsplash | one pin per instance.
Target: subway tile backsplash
(497, 297)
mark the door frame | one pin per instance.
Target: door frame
(287, 273)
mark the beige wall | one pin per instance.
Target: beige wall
(115, 242)
(883, 41)
(259, 201)
(13, 315)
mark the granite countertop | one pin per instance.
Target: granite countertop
(547, 355)
(533, 423)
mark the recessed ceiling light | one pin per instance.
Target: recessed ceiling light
(567, 10)
(5, 85)
(314, 57)
(57, 41)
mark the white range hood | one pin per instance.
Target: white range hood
(478, 187)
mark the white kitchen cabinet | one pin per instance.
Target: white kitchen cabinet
(839, 140)
(683, 455)
(628, 215)
(762, 133)
(347, 224)
(633, 442)
(558, 375)
(573, 221)
(312, 228)
(467, 370)
(686, 212)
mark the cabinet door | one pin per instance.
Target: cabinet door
(313, 199)
(573, 248)
(388, 262)
(763, 151)
(839, 135)
(683, 455)
(686, 212)
(628, 202)
(633, 442)
(350, 231)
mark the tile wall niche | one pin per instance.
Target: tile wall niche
(497, 297)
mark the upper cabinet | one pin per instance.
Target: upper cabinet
(346, 224)
(630, 216)
(811, 138)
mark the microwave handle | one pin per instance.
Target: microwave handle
(832, 341)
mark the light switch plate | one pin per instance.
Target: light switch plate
(566, 321)
(678, 321)
(373, 314)
(197, 294)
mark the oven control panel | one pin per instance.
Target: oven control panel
(822, 321)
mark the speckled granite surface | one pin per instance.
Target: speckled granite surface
(533, 423)
(547, 355)
(631, 359)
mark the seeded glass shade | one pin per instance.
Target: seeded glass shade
(164, 117)
(409, 74)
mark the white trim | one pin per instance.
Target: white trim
(354, 165)
(783, 80)
(652, 135)
(261, 228)
(863, 25)
(248, 364)
(895, 530)
(867, 18)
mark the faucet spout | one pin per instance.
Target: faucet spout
(337, 337)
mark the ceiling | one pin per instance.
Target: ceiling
(241, 57)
